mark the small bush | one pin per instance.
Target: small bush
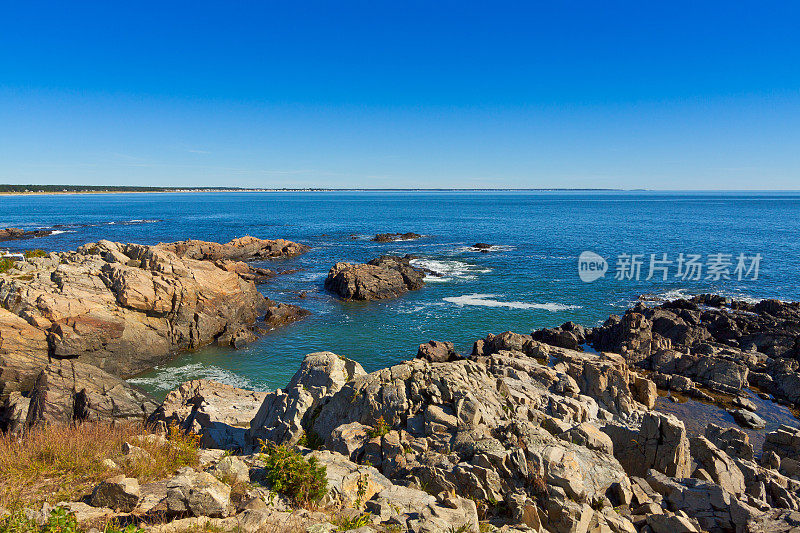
(310, 439)
(38, 252)
(380, 429)
(302, 480)
(344, 523)
(6, 264)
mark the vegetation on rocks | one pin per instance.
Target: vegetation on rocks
(37, 252)
(54, 463)
(302, 480)
(5, 264)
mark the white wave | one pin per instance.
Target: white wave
(60, 231)
(449, 269)
(492, 248)
(437, 279)
(487, 300)
(312, 276)
(167, 379)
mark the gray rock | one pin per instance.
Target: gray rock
(118, 492)
(197, 493)
(232, 470)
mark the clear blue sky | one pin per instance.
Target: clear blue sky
(663, 95)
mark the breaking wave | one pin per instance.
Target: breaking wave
(487, 300)
(167, 379)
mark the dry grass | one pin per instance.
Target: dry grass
(64, 462)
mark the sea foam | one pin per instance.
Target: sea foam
(488, 300)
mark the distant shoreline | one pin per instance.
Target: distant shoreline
(100, 190)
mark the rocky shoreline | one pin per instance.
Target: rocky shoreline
(557, 430)
(73, 325)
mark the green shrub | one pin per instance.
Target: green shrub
(59, 521)
(380, 429)
(5, 264)
(343, 523)
(38, 252)
(302, 480)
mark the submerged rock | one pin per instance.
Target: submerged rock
(391, 237)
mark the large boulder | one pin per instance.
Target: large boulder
(241, 249)
(383, 277)
(285, 414)
(719, 465)
(68, 390)
(660, 443)
(218, 412)
(197, 494)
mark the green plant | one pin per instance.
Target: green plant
(379, 429)
(6, 264)
(59, 521)
(460, 529)
(353, 522)
(302, 480)
(38, 252)
(310, 439)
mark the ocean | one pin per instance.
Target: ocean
(746, 244)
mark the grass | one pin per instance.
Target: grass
(302, 480)
(5, 264)
(38, 252)
(64, 462)
(59, 521)
(347, 523)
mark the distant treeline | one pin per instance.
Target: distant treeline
(104, 188)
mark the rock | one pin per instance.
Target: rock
(14, 413)
(659, 444)
(661, 523)
(232, 470)
(644, 391)
(391, 237)
(284, 415)
(719, 465)
(68, 390)
(85, 513)
(418, 511)
(589, 436)
(349, 484)
(118, 492)
(732, 441)
(124, 308)
(241, 249)
(784, 441)
(383, 277)
(15, 234)
(197, 493)
(437, 352)
(218, 412)
(748, 419)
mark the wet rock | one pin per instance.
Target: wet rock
(748, 419)
(118, 492)
(391, 237)
(16, 234)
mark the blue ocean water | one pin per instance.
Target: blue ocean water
(528, 280)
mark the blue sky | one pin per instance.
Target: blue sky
(668, 95)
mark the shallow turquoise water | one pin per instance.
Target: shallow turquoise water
(529, 280)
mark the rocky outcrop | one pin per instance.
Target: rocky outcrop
(659, 443)
(15, 234)
(383, 277)
(391, 237)
(285, 415)
(111, 309)
(437, 352)
(219, 413)
(68, 390)
(242, 249)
